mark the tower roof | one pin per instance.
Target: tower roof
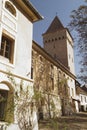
(55, 25)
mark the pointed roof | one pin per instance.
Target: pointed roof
(55, 25)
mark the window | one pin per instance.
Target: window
(52, 83)
(32, 72)
(41, 64)
(10, 8)
(81, 99)
(85, 99)
(55, 39)
(6, 103)
(7, 48)
(72, 92)
(68, 91)
(52, 40)
(45, 41)
(51, 71)
(52, 76)
(32, 65)
(60, 76)
(3, 104)
(62, 37)
(49, 40)
(59, 38)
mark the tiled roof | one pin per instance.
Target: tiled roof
(55, 25)
(84, 88)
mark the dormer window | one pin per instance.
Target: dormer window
(10, 8)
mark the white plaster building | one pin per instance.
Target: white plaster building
(81, 93)
(16, 28)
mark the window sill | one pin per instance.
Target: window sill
(2, 123)
(6, 62)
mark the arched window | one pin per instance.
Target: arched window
(6, 103)
(3, 103)
(41, 59)
(10, 8)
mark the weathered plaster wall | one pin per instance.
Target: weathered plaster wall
(23, 45)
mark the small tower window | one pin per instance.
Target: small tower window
(59, 38)
(55, 39)
(45, 41)
(10, 8)
(49, 40)
(52, 40)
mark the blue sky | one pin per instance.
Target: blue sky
(48, 9)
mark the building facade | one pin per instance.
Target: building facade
(53, 71)
(55, 82)
(81, 92)
(16, 28)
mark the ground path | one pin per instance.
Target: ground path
(74, 122)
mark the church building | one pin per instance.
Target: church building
(53, 71)
(27, 70)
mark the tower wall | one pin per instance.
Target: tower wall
(55, 44)
(59, 45)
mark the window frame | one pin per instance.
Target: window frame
(10, 8)
(7, 46)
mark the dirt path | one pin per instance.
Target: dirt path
(77, 122)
